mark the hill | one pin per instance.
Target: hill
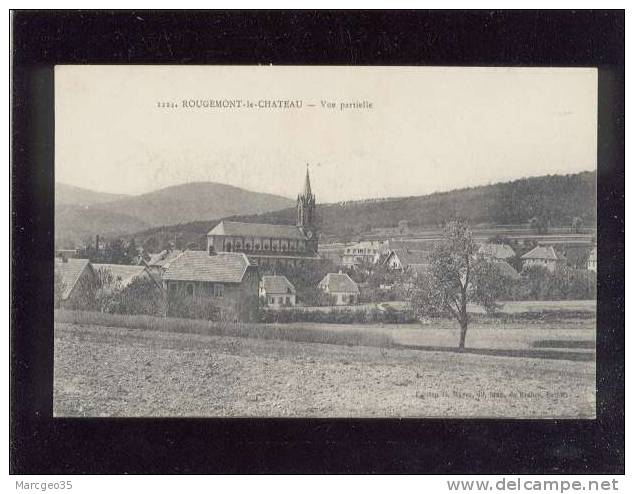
(75, 224)
(556, 198)
(169, 206)
(69, 194)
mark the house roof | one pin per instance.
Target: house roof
(507, 270)
(163, 258)
(543, 252)
(409, 257)
(497, 251)
(236, 229)
(339, 283)
(277, 284)
(70, 271)
(123, 273)
(198, 265)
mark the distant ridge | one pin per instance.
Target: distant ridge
(557, 198)
(70, 194)
(185, 203)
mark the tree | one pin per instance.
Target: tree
(457, 276)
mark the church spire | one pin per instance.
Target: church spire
(305, 204)
(307, 191)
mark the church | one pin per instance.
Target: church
(272, 246)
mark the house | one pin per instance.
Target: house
(544, 256)
(502, 252)
(75, 283)
(227, 280)
(272, 246)
(119, 277)
(277, 291)
(592, 260)
(405, 259)
(360, 253)
(158, 263)
(341, 287)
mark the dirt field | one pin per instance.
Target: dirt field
(102, 371)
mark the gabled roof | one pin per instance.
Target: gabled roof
(507, 270)
(277, 284)
(236, 229)
(70, 272)
(339, 283)
(408, 257)
(198, 265)
(544, 252)
(124, 274)
(497, 251)
(163, 258)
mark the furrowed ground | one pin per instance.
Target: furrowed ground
(108, 371)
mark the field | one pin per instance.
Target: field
(529, 372)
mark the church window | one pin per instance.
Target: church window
(219, 290)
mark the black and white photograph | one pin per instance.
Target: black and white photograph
(312, 242)
(283, 241)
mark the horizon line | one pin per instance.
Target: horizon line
(386, 197)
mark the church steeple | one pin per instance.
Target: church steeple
(307, 191)
(306, 204)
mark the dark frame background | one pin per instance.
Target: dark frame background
(40, 444)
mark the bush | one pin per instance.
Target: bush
(338, 316)
(565, 283)
(188, 307)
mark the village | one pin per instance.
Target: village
(250, 272)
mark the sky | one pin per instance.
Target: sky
(135, 129)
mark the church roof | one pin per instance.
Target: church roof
(198, 265)
(237, 229)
